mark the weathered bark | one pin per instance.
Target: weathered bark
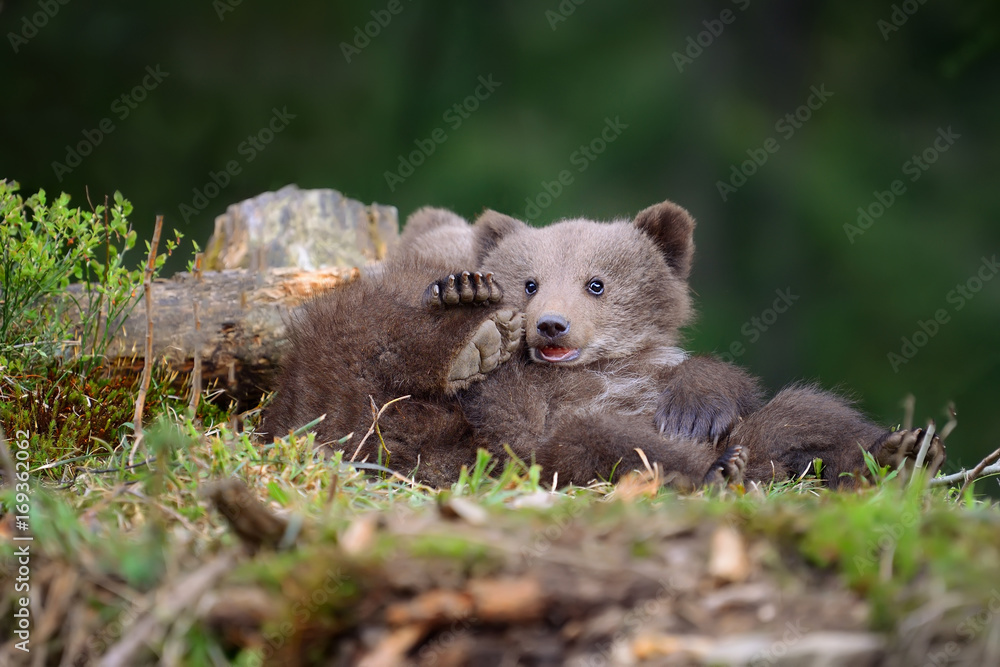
(267, 249)
(303, 228)
(243, 317)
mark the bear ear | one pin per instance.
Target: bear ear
(672, 227)
(489, 228)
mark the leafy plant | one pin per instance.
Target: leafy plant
(43, 248)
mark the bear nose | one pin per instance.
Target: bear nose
(552, 326)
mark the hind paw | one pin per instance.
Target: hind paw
(899, 449)
(463, 289)
(728, 468)
(493, 343)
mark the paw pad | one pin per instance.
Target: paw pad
(491, 344)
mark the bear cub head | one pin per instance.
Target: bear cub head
(593, 291)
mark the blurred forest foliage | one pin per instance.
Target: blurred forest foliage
(152, 99)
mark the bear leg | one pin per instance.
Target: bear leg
(703, 398)
(582, 448)
(803, 423)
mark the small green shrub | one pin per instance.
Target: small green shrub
(43, 248)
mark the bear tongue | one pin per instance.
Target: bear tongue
(554, 354)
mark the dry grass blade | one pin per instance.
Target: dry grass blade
(909, 406)
(950, 424)
(918, 463)
(147, 362)
(925, 445)
(377, 416)
(196, 369)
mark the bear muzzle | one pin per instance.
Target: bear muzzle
(552, 329)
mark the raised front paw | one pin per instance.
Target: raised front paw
(465, 289)
(706, 418)
(493, 343)
(899, 449)
(728, 468)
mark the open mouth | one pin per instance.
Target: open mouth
(555, 355)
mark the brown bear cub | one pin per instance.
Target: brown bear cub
(421, 327)
(599, 377)
(356, 348)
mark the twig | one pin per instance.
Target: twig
(371, 430)
(147, 363)
(924, 445)
(978, 470)
(184, 594)
(952, 422)
(909, 405)
(196, 370)
(252, 521)
(988, 466)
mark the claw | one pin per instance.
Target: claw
(477, 284)
(495, 293)
(451, 296)
(433, 298)
(729, 467)
(465, 291)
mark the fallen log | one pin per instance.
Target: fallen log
(228, 326)
(243, 318)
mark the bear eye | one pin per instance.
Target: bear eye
(596, 287)
(530, 287)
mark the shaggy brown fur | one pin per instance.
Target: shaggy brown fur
(386, 336)
(600, 376)
(374, 341)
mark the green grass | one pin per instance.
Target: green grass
(892, 545)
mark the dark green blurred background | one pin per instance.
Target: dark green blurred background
(562, 74)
